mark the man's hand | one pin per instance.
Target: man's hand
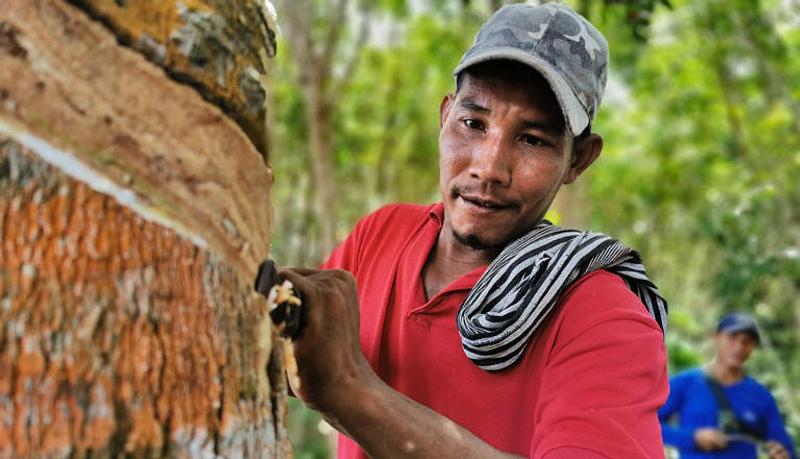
(776, 451)
(710, 439)
(327, 348)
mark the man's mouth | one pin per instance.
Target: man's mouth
(484, 202)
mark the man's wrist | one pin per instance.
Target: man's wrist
(349, 395)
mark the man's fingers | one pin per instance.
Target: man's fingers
(325, 277)
(303, 279)
(332, 288)
(722, 440)
(776, 451)
(301, 271)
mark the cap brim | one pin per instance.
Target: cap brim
(574, 114)
(744, 328)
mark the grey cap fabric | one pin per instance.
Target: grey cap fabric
(569, 52)
(739, 322)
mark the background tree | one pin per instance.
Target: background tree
(700, 176)
(316, 34)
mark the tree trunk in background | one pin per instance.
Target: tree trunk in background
(315, 40)
(320, 146)
(134, 210)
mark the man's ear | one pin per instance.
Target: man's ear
(586, 152)
(444, 108)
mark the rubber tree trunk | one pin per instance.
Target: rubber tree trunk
(134, 210)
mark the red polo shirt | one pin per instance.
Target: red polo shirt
(593, 377)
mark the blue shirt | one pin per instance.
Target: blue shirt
(692, 400)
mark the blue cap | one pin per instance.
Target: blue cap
(739, 322)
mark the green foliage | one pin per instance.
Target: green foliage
(700, 173)
(308, 440)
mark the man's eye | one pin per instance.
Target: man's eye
(534, 141)
(473, 124)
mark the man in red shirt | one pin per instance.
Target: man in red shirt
(473, 328)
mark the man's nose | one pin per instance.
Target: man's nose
(739, 346)
(491, 162)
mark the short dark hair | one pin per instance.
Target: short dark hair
(576, 140)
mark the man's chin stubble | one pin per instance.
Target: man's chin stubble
(473, 242)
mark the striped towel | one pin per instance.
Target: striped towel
(523, 284)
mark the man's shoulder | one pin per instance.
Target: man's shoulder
(753, 385)
(602, 301)
(383, 231)
(400, 210)
(688, 376)
(602, 291)
(395, 218)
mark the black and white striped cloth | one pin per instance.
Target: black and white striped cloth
(523, 284)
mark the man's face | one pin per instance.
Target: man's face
(733, 349)
(503, 156)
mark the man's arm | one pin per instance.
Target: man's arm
(779, 444)
(705, 438)
(681, 437)
(340, 384)
(606, 374)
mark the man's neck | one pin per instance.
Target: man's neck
(723, 373)
(450, 259)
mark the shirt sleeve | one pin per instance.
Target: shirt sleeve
(348, 254)
(681, 437)
(776, 431)
(345, 256)
(605, 378)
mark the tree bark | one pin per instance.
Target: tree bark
(133, 216)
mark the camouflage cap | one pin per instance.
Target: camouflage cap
(569, 52)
